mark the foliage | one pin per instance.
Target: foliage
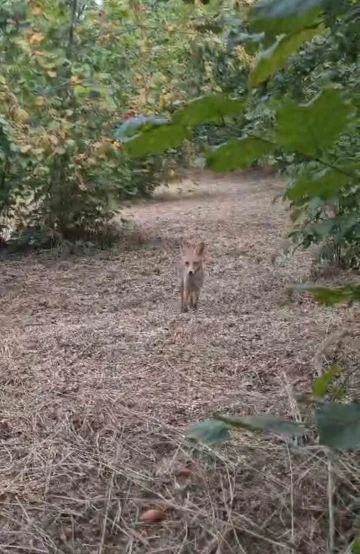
(276, 56)
(237, 153)
(290, 116)
(209, 431)
(338, 426)
(270, 423)
(347, 294)
(277, 17)
(73, 79)
(109, 78)
(321, 384)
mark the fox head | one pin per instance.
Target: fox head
(192, 258)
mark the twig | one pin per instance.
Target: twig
(111, 485)
(330, 489)
(291, 498)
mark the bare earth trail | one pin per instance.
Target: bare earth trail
(96, 361)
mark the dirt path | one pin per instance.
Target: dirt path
(95, 346)
(114, 323)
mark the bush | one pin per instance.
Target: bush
(69, 73)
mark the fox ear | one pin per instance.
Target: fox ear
(200, 249)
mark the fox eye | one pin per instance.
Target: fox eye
(186, 263)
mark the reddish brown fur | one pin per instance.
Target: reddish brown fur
(192, 276)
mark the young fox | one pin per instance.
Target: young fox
(192, 276)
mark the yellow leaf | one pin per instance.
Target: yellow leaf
(54, 140)
(25, 149)
(52, 73)
(40, 101)
(20, 115)
(38, 54)
(37, 11)
(36, 38)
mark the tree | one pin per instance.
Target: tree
(71, 74)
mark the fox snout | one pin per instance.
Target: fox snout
(190, 269)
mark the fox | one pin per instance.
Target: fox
(191, 276)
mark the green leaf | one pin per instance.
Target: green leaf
(274, 58)
(79, 90)
(208, 109)
(270, 423)
(238, 154)
(311, 127)
(156, 140)
(322, 383)
(331, 296)
(355, 547)
(339, 425)
(135, 124)
(276, 17)
(110, 103)
(209, 432)
(323, 185)
(250, 42)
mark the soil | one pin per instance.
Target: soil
(100, 375)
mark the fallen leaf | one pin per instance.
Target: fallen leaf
(36, 38)
(185, 472)
(152, 516)
(183, 476)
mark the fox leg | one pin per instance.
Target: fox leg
(196, 299)
(184, 298)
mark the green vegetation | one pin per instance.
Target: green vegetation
(70, 75)
(303, 116)
(78, 82)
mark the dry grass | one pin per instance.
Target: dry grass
(100, 374)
